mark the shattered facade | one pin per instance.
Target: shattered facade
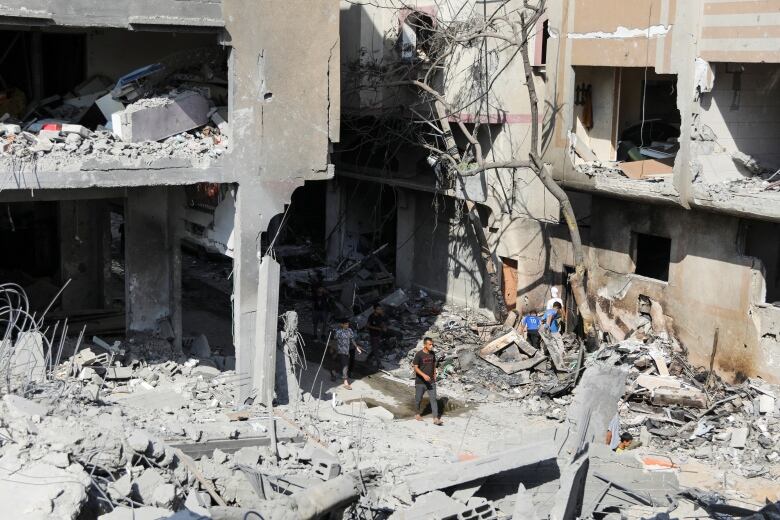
(663, 138)
(663, 126)
(124, 123)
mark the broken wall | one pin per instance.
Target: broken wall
(284, 105)
(711, 284)
(740, 115)
(161, 14)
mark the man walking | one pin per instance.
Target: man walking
(553, 318)
(345, 341)
(425, 379)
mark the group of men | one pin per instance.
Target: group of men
(551, 319)
(424, 362)
(347, 347)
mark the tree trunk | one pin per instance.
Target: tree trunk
(577, 280)
(499, 310)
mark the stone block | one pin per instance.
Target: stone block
(738, 437)
(380, 413)
(154, 121)
(19, 407)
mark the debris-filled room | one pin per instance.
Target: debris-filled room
(389, 259)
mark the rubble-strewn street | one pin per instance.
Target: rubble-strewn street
(389, 260)
(140, 428)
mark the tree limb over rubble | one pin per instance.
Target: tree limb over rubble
(427, 73)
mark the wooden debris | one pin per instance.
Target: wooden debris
(504, 341)
(660, 364)
(207, 484)
(555, 350)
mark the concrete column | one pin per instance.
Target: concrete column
(334, 225)
(406, 224)
(253, 336)
(266, 318)
(153, 226)
(84, 257)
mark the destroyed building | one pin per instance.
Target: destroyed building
(657, 119)
(185, 177)
(117, 129)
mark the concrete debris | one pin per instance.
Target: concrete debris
(155, 119)
(470, 470)
(162, 118)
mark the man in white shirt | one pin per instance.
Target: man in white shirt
(555, 298)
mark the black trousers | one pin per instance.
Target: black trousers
(419, 390)
(534, 338)
(347, 363)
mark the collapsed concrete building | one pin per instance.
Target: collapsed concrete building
(167, 98)
(657, 119)
(396, 152)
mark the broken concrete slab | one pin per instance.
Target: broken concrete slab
(19, 407)
(738, 437)
(594, 405)
(555, 349)
(40, 491)
(380, 413)
(108, 106)
(117, 373)
(680, 396)
(138, 513)
(652, 382)
(470, 470)
(766, 404)
(154, 119)
(431, 505)
(504, 341)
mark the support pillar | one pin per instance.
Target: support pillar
(153, 224)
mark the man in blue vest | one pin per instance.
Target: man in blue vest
(531, 323)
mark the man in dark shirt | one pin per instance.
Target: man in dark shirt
(425, 379)
(377, 326)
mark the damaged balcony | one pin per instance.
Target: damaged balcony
(154, 14)
(625, 131)
(734, 140)
(77, 110)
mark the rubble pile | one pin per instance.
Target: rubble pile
(173, 109)
(144, 429)
(671, 406)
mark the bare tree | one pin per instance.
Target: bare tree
(431, 50)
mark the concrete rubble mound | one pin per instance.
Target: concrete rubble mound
(139, 429)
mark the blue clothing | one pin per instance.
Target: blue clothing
(531, 322)
(554, 325)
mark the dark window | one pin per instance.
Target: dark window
(652, 255)
(545, 38)
(761, 242)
